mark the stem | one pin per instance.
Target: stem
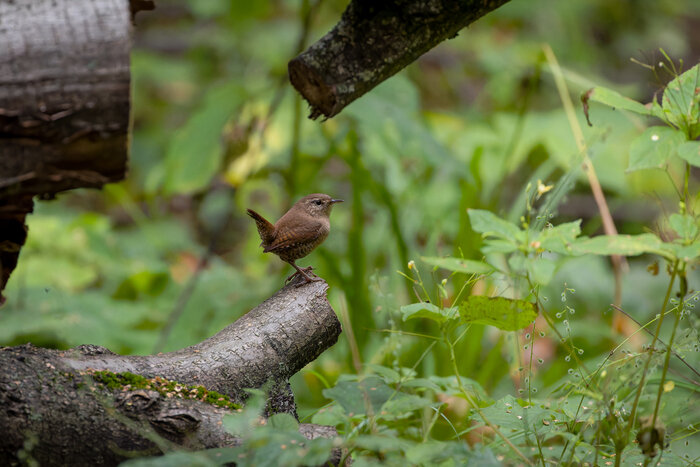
(529, 384)
(473, 403)
(667, 359)
(633, 414)
(686, 194)
(618, 262)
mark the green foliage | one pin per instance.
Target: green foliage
(653, 148)
(429, 311)
(466, 266)
(195, 153)
(503, 313)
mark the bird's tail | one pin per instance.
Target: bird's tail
(265, 229)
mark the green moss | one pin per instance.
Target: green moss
(129, 381)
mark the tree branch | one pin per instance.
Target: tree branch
(372, 42)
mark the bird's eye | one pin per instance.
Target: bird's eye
(318, 202)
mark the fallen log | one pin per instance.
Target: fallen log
(88, 405)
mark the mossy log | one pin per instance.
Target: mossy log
(90, 406)
(372, 42)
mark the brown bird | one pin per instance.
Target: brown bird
(304, 227)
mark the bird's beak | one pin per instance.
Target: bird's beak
(333, 201)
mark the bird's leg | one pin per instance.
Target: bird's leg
(304, 272)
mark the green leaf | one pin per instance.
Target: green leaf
(421, 383)
(389, 374)
(690, 152)
(651, 149)
(540, 269)
(559, 239)
(684, 225)
(142, 283)
(513, 414)
(427, 310)
(284, 422)
(684, 253)
(195, 151)
(625, 245)
(404, 403)
(489, 224)
(498, 246)
(204, 458)
(681, 102)
(503, 313)
(447, 453)
(465, 266)
(379, 443)
(617, 101)
(333, 415)
(354, 396)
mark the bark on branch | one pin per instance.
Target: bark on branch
(372, 42)
(50, 401)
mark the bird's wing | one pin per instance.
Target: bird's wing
(290, 235)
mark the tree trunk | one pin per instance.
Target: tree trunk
(372, 42)
(62, 407)
(64, 104)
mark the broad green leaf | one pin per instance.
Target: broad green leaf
(242, 423)
(466, 266)
(504, 313)
(332, 415)
(559, 239)
(205, 458)
(498, 246)
(651, 149)
(617, 101)
(142, 283)
(283, 421)
(354, 396)
(389, 374)
(690, 152)
(427, 310)
(449, 453)
(684, 225)
(541, 269)
(195, 152)
(380, 443)
(421, 383)
(682, 252)
(489, 224)
(513, 414)
(404, 403)
(625, 245)
(681, 102)
(450, 385)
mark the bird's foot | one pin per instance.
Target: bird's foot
(306, 272)
(308, 280)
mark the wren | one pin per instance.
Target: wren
(304, 227)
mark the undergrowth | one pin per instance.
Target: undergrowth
(559, 405)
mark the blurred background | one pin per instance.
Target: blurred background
(168, 257)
